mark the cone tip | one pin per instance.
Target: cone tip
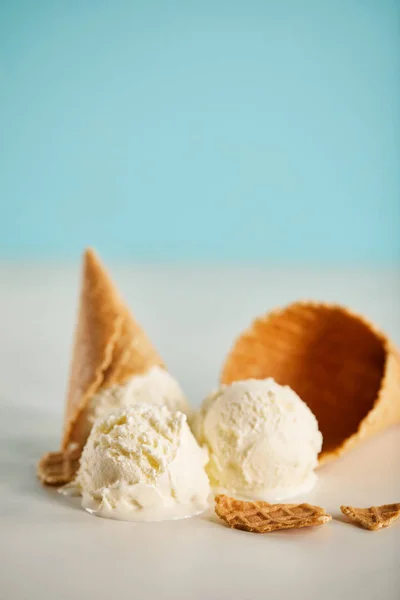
(90, 255)
(92, 262)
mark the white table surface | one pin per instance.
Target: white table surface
(51, 549)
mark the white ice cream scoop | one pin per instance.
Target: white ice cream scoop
(263, 440)
(156, 386)
(142, 463)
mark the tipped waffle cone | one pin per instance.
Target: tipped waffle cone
(340, 365)
(109, 348)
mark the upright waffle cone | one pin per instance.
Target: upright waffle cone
(340, 365)
(109, 348)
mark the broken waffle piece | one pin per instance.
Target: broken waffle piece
(59, 468)
(373, 518)
(262, 517)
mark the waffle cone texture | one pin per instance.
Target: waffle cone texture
(109, 348)
(346, 371)
(374, 517)
(262, 517)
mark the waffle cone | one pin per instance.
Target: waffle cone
(109, 348)
(340, 365)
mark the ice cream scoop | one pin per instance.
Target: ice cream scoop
(156, 386)
(342, 366)
(262, 439)
(142, 463)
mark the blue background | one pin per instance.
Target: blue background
(206, 130)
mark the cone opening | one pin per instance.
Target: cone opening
(332, 359)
